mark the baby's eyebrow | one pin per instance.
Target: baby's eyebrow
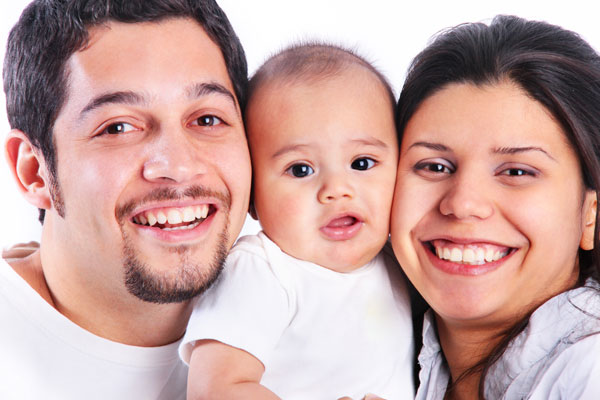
(371, 141)
(289, 148)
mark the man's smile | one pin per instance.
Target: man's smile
(173, 218)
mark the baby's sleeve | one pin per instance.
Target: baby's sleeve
(246, 308)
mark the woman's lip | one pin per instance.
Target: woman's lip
(464, 241)
(456, 268)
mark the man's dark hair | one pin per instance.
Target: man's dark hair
(50, 31)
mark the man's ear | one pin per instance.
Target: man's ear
(28, 168)
(590, 205)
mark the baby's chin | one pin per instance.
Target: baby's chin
(340, 261)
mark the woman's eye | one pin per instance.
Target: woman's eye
(300, 170)
(436, 168)
(209, 120)
(118, 128)
(362, 164)
(516, 172)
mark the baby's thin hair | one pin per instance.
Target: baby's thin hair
(312, 62)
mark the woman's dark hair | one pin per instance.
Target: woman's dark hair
(554, 66)
(50, 31)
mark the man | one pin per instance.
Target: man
(127, 135)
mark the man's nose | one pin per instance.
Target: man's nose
(175, 157)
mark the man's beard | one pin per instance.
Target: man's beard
(188, 277)
(180, 282)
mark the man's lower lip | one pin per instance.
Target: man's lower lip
(454, 268)
(177, 235)
(341, 232)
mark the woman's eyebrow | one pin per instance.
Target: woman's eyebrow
(522, 149)
(429, 145)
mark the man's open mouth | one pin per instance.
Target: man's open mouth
(174, 218)
(470, 254)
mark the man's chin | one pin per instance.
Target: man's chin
(184, 279)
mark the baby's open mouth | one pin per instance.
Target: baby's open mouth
(174, 218)
(470, 254)
(342, 222)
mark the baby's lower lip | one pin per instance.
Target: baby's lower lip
(342, 228)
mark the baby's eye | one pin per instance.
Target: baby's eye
(118, 128)
(300, 170)
(208, 120)
(362, 164)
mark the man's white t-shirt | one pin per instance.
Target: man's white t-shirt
(320, 334)
(43, 355)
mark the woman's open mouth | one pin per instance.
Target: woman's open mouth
(469, 254)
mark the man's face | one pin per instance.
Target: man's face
(153, 165)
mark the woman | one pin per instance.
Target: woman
(495, 210)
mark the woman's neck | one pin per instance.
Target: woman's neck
(464, 347)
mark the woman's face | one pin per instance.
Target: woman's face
(490, 208)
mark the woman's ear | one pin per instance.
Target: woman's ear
(28, 168)
(590, 205)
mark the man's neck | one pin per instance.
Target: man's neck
(117, 316)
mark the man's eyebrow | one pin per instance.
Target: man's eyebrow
(123, 97)
(194, 91)
(198, 90)
(524, 149)
(429, 145)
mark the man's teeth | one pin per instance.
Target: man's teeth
(470, 255)
(173, 216)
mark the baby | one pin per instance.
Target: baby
(312, 307)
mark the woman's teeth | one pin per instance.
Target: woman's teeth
(471, 254)
(173, 216)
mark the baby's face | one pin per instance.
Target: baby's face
(324, 158)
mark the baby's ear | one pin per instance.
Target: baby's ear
(590, 205)
(28, 168)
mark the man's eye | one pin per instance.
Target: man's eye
(300, 170)
(209, 120)
(362, 164)
(118, 128)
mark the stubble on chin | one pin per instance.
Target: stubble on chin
(180, 282)
(188, 276)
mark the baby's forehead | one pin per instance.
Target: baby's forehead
(335, 82)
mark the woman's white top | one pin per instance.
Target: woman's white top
(557, 356)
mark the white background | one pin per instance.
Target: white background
(389, 33)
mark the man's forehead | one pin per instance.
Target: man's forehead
(158, 59)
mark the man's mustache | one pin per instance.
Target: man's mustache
(169, 193)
